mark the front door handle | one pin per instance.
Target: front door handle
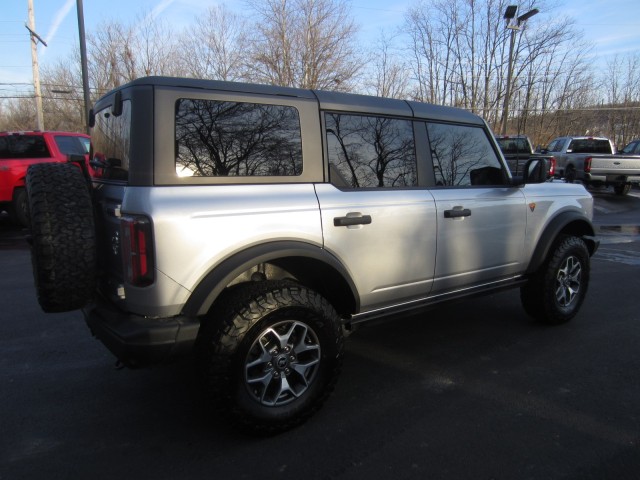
(352, 219)
(457, 212)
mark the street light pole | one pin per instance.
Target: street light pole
(507, 95)
(516, 26)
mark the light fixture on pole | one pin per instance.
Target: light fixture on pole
(514, 26)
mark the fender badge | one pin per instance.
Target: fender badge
(532, 206)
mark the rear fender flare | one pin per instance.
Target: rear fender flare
(217, 279)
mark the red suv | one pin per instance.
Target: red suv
(19, 150)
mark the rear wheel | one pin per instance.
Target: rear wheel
(623, 189)
(271, 354)
(570, 174)
(63, 250)
(556, 292)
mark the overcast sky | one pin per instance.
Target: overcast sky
(613, 26)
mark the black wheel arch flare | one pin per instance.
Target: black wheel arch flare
(570, 223)
(225, 272)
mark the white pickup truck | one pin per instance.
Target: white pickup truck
(592, 161)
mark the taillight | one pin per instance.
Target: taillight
(552, 166)
(137, 250)
(587, 164)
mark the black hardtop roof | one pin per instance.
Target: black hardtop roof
(328, 100)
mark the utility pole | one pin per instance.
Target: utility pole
(35, 38)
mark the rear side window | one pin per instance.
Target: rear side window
(111, 137)
(555, 146)
(462, 156)
(370, 151)
(71, 145)
(237, 139)
(23, 146)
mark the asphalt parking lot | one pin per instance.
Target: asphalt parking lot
(468, 390)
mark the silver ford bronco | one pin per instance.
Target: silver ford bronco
(253, 226)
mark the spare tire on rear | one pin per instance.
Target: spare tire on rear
(63, 249)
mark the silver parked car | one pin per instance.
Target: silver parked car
(252, 225)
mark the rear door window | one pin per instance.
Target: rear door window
(370, 151)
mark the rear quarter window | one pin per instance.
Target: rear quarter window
(217, 138)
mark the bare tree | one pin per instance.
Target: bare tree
(304, 43)
(621, 87)
(63, 103)
(19, 114)
(156, 47)
(389, 75)
(456, 54)
(215, 46)
(460, 51)
(119, 53)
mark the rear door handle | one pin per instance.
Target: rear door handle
(457, 212)
(352, 219)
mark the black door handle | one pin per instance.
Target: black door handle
(457, 213)
(348, 221)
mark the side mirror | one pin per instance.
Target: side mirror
(535, 171)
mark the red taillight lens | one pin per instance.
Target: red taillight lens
(137, 250)
(552, 166)
(587, 164)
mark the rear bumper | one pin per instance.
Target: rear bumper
(138, 341)
(611, 178)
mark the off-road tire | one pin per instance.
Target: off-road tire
(63, 239)
(623, 189)
(19, 210)
(240, 324)
(570, 175)
(565, 272)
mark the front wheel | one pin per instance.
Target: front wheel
(556, 292)
(20, 208)
(271, 353)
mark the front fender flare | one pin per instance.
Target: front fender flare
(569, 222)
